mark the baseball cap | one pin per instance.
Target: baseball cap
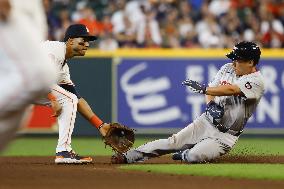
(78, 30)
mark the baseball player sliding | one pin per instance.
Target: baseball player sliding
(64, 98)
(25, 71)
(231, 99)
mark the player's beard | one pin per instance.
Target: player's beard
(80, 50)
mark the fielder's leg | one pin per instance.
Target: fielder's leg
(66, 120)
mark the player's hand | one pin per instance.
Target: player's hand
(104, 129)
(56, 107)
(5, 9)
(215, 110)
(215, 113)
(195, 86)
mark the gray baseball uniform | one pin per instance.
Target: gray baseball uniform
(202, 139)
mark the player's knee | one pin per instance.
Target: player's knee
(174, 142)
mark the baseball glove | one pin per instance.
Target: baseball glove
(119, 137)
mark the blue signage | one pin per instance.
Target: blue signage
(150, 94)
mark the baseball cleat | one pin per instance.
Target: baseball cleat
(177, 156)
(71, 157)
(118, 159)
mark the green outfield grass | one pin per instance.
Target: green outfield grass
(31, 146)
(249, 171)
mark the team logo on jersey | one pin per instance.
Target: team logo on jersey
(248, 85)
(225, 83)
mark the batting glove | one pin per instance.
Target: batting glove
(195, 86)
(215, 110)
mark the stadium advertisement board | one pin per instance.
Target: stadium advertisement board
(150, 94)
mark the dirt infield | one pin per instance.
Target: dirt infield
(41, 172)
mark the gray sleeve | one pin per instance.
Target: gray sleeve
(216, 80)
(252, 87)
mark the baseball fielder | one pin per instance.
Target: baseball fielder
(231, 99)
(25, 71)
(64, 98)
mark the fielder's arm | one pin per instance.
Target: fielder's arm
(85, 110)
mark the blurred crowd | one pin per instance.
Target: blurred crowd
(171, 23)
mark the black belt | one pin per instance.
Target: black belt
(224, 129)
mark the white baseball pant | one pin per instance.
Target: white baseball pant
(66, 120)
